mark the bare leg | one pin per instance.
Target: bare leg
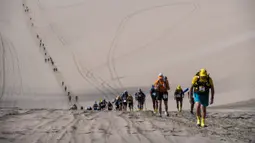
(203, 116)
(181, 104)
(160, 107)
(198, 111)
(166, 107)
(153, 103)
(192, 106)
(156, 105)
(203, 111)
(177, 105)
(141, 105)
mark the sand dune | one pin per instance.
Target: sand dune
(101, 48)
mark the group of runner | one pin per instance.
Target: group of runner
(159, 92)
(198, 93)
(122, 102)
(101, 105)
(126, 100)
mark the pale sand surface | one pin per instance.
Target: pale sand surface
(104, 47)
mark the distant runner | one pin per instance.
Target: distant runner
(109, 105)
(162, 86)
(130, 102)
(105, 102)
(201, 85)
(95, 106)
(192, 102)
(153, 94)
(89, 108)
(102, 104)
(124, 100)
(178, 96)
(118, 103)
(74, 107)
(140, 98)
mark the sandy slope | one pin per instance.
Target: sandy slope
(97, 127)
(103, 47)
(26, 81)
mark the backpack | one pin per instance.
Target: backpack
(178, 93)
(139, 95)
(207, 78)
(165, 82)
(197, 74)
(124, 96)
(205, 84)
(129, 98)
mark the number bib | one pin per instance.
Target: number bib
(201, 88)
(165, 96)
(178, 95)
(154, 94)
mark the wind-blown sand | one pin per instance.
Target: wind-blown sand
(101, 48)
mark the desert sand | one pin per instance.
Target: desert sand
(101, 48)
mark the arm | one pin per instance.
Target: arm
(167, 85)
(212, 94)
(194, 80)
(175, 95)
(144, 95)
(212, 91)
(191, 90)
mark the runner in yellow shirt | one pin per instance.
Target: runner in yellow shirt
(201, 85)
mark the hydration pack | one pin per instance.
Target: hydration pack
(202, 86)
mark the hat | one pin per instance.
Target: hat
(203, 72)
(160, 75)
(179, 87)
